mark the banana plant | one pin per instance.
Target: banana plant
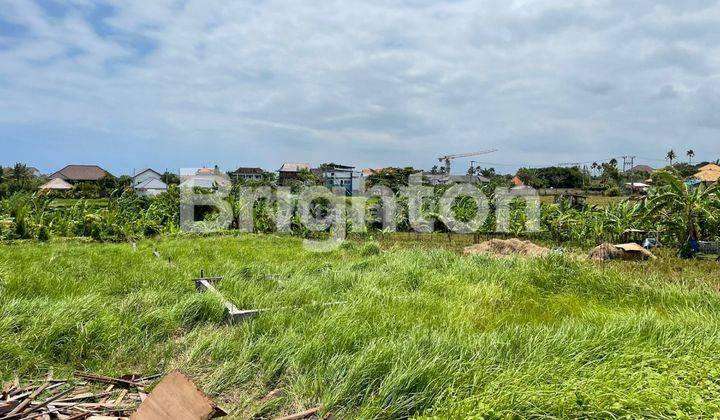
(683, 210)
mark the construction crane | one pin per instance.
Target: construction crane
(448, 158)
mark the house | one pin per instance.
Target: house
(144, 175)
(288, 172)
(204, 178)
(148, 183)
(56, 184)
(637, 187)
(370, 171)
(360, 182)
(150, 187)
(247, 174)
(340, 176)
(80, 173)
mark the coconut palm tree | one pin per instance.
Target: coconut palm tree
(681, 208)
(690, 154)
(670, 156)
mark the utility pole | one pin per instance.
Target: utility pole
(628, 163)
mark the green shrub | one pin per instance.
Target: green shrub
(43, 233)
(613, 191)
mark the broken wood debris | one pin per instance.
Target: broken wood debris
(176, 397)
(78, 398)
(301, 415)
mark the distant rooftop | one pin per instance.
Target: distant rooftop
(642, 168)
(80, 173)
(244, 170)
(293, 167)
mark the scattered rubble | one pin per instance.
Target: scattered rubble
(500, 247)
(79, 398)
(96, 397)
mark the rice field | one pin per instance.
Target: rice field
(424, 333)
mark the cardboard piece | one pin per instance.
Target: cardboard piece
(177, 398)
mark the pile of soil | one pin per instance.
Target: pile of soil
(500, 247)
(606, 252)
(632, 252)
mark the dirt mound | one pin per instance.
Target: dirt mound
(500, 247)
(606, 252)
(626, 252)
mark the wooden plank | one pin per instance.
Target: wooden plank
(46, 402)
(28, 400)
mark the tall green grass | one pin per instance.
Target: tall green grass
(424, 333)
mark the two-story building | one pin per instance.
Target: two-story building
(340, 176)
(247, 174)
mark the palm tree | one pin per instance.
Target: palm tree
(690, 154)
(670, 156)
(682, 208)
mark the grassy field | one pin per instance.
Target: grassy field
(424, 333)
(96, 203)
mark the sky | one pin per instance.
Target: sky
(130, 84)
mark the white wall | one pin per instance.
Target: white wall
(140, 178)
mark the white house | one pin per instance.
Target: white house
(150, 187)
(148, 183)
(205, 178)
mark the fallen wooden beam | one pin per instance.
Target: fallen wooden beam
(27, 401)
(232, 313)
(46, 402)
(301, 415)
(108, 380)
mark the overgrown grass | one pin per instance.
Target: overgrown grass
(424, 333)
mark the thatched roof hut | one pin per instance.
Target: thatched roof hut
(56, 184)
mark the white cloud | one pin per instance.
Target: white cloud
(369, 83)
